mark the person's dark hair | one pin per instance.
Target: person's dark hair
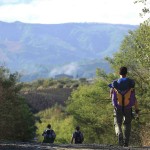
(77, 128)
(123, 71)
(49, 126)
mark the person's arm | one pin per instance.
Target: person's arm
(132, 83)
(136, 111)
(82, 137)
(111, 91)
(43, 132)
(53, 134)
(72, 139)
(136, 107)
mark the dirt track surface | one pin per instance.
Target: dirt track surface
(39, 146)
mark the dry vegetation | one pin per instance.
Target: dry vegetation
(42, 99)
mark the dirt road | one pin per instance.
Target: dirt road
(39, 146)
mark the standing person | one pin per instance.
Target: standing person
(123, 98)
(49, 135)
(77, 136)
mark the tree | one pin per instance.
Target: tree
(91, 109)
(16, 119)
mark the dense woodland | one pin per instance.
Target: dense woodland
(27, 108)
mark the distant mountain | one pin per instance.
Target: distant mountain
(44, 50)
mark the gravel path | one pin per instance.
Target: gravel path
(39, 146)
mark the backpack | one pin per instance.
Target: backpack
(123, 99)
(78, 137)
(49, 136)
(122, 93)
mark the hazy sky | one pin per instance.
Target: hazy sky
(62, 11)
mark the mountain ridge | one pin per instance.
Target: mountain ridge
(33, 48)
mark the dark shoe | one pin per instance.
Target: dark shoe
(120, 143)
(120, 140)
(125, 145)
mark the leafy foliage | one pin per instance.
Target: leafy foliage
(50, 83)
(90, 106)
(16, 119)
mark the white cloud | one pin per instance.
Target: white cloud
(60, 11)
(68, 69)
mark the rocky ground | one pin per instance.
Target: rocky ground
(39, 146)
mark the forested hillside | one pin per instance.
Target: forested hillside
(41, 51)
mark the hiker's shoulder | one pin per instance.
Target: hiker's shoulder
(129, 79)
(131, 82)
(47, 129)
(77, 132)
(74, 132)
(52, 131)
(124, 80)
(114, 83)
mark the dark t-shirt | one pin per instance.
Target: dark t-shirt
(78, 136)
(49, 136)
(123, 84)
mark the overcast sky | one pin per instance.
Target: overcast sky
(64, 11)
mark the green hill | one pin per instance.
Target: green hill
(36, 50)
